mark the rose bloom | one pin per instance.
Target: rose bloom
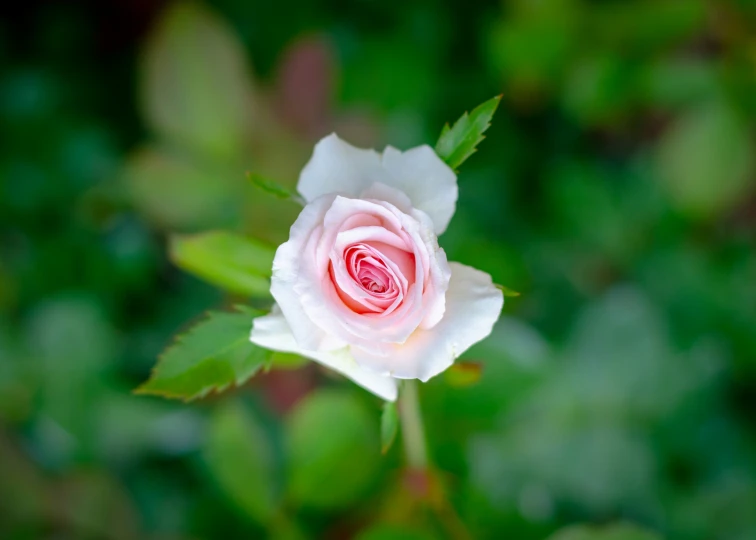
(362, 286)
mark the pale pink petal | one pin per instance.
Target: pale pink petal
(273, 332)
(473, 305)
(287, 271)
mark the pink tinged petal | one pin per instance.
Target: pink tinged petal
(273, 332)
(428, 182)
(339, 167)
(287, 272)
(473, 305)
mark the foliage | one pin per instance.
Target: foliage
(615, 191)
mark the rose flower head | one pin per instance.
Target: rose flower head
(362, 286)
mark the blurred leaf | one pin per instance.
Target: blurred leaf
(240, 459)
(212, 355)
(389, 426)
(225, 259)
(326, 433)
(677, 82)
(176, 192)
(271, 187)
(287, 361)
(393, 532)
(195, 84)
(531, 48)
(459, 142)
(462, 374)
(600, 89)
(612, 532)
(706, 161)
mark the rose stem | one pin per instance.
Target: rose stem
(412, 426)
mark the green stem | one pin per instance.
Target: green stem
(412, 426)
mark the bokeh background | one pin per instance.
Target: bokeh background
(615, 190)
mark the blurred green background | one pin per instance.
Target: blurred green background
(615, 190)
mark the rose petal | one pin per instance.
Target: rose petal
(338, 167)
(286, 272)
(429, 182)
(473, 305)
(273, 332)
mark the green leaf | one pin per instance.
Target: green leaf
(706, 160)
(507, 291)
(459, 142)
(463, 374)
(324, 434)
(394, 532)
(231, 261)
(195, 85)
(287, 361)
(213, 355)
(389, 425)
(623, 531)
(272, 188)
(240, 460)
(176, 192)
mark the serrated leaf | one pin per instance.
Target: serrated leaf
(272, 188)
(389, 425)
(213, 355)
(463, 374)
(510, 293)
(228, 260)
(239, 458)
(459, 142)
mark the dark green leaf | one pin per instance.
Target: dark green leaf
(213, 355)
(389, 425)
(459, 142)
(231, 261)
(239, 458)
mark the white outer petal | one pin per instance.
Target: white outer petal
(473, 305)
(286, 271)
(273, 332)
(429, 182)
(338, 167)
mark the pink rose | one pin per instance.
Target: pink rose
(362, 286)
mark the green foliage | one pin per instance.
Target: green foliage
(191, 59)
(213, 355)
(462, 374)
(706, 160)
(389, 425)
(324, 435)
(459, 142)
(612, 532)
(393, 532)
(240, 460)
(270, 187)
(233, 262)
(616, 190)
